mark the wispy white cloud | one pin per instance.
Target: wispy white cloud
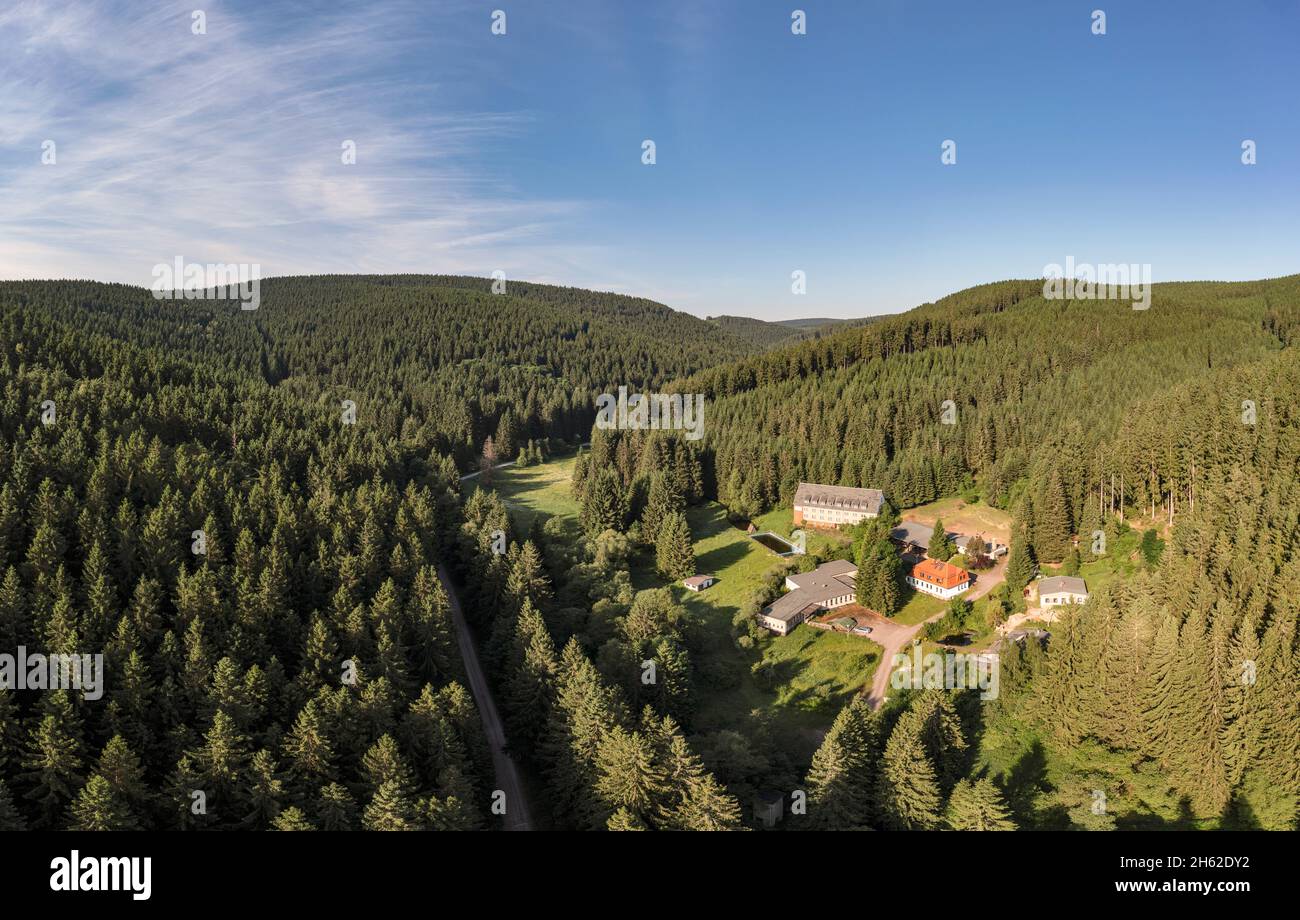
(226, 147)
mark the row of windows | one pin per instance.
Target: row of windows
(828, 514)
(927, 586)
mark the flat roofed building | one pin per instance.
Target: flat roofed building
(824, 588)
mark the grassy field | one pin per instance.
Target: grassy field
(536, 490)
(808, 675)
(918, 608)
(1122, 563)
(812, 673)
(963, 517)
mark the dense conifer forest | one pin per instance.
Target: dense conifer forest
(299, 669)
(247, 511)
(1173, 693)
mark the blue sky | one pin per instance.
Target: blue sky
(522, 152)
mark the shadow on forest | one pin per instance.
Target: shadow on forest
(1024, 782)
(1237, 815)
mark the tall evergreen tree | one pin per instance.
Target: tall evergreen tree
(674, 553)
(977, 806)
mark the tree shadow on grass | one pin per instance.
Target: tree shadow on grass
(716, 560)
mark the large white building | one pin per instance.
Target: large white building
(832, 506)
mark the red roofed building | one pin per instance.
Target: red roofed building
(939, 578)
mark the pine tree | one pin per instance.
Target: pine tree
(674, 553)
(941, 547)
(844, 770)
(908, 788)
(98, 808)
(977, 806)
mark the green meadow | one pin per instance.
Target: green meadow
(802, 679)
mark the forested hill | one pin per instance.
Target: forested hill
(468, 363)
(762, 334)
(1170, 693)
(1038, 391)
(246, 512)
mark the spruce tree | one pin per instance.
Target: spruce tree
(664, 499)
(391, 809)
(908, 791)
(335, 808)
(977, 806)
(292, 819)
(844, 771)
(10, 818)
(1020, 567)
(54, 760)
(674, 553)
(1052, 528)
(628, 774)
(941, 547)
(604, 505)
(98, 808)
(531, 676)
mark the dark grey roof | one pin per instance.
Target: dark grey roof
(846, 498)
(1058, 584)
(813, 588)
(912, 532)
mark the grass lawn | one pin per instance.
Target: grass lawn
(960, 516)
(1121, 564)
(918, 608)
(811, 673)
(536, 490)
